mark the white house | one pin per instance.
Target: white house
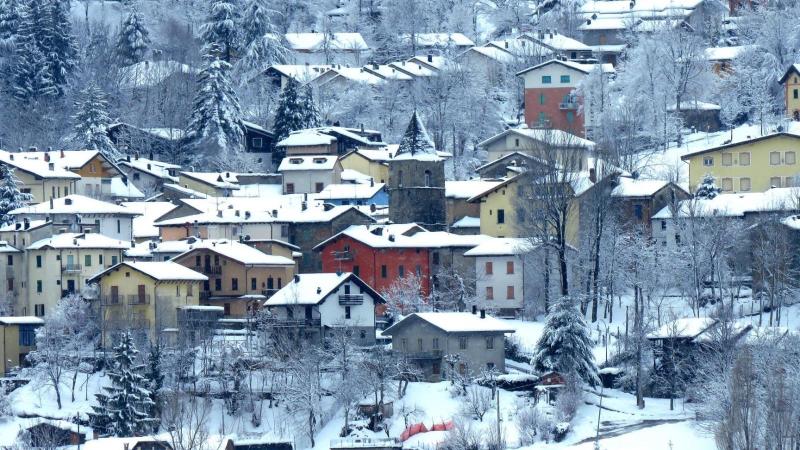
(309, 174)
(317, 303)
(499, 274)
(327, 48)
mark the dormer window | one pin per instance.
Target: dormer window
(296, 161)
(319, 160)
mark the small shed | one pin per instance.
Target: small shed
(261, 444)
(45, 433)
(548, 386)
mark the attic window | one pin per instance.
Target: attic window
(296, 161)
(319, 160)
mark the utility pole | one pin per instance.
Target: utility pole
(498, 414)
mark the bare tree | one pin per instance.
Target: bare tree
(477, 402)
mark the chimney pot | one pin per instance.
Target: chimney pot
(47, 157)
(483, 314)
(474, 309)
(297, 278)
(430, 57)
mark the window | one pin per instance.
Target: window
(436, 343)
(794, 93)
(570, 117)
(38, 310)
(346, 312)
(318, 187)
(501, 216)
(87, 260)
(678, 239)
(427, 178)
(663, 224)
(400, 178)
(290, 188)
(546, 79)
(418, 270)
(564, 78)
(789, 182)
(235, 284)
(509, 267)
(789, 157)
(135, 176)
(727, 184)
(436, 368)
(257, 143)
(708, 160)
(383, 271)
(356, 271)
(253, 284)
(488, 267)
(637, 212)
(119, 226)
(27, 335)
(509, 292)
(404, 343)
(542, 118)
(10, 284)
(113, 260)
(100, 259)
(284, 231)
(727, 159)
(542, 101)
(489, 366)
(218, 284)
(462, 343)
(744, 159)
(516, 142)
(401, 271)
(774, 158)
(490, 342)
(226, 309)
(489, 293)
(744, 184)
(419, 344)
(39, 286)
(775, 182)
(435, 258)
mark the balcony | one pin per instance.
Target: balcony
(351, 299)
(433, 354)
(71, 268)
(139, 299)
(296, 323)
(345, 255)
(108, 300)
(568, 105)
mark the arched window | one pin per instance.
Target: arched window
(400, 178)
(427, 178)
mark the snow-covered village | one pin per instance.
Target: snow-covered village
(399, 224)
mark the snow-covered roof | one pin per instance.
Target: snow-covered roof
(741, 139)
(630, 187)
(465, 189)
(302, 73)
(552, 137)
(604, 23)
(21, 320)
(308, 288)
(5, 247)
(434, 61)
(158, 270)
(149, 211)
(695, 105)
(151, 73)
(120, 189)
(170, 134)
(686, 328)
(259, 190)
(316, 42)
(311, 162)
(155, 168)
(306, 138)
(387, 72)
(467, 222)
(356, 74)
(74, 204)
(352, 176)
(19, 222)
(286, 210)
(220, 180)
(580, 67)
(457, 322)
(66, 159)
(556, 41)
(439, 39)
(349, 191)
(735, 205)
(407, 235)
(119, 443)
(236, 251)
(644, 9)
(79, 240)
(37, 167)
(725, 53)
(416, 144)
(494, 53)
(413, 68)
(501, 247)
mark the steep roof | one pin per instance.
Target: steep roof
(630, 187)
(79, 240)
(735, 205)
(557, 138)
(155, 168)
(312, 288)
(149, 212)
(455, 322)
(502, 247)
(236, 251)
(416, 144)
(464, 189)
(74, 204)
(221, 180)
(36, 167)
(556, 41)
(794, 68)
(157, 270)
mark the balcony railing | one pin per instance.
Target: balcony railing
(139, 299)
(568, 105)
(108, 300)
(296, 323)
(433, 354)
(71, 268)
(213, 270)
(351, 299)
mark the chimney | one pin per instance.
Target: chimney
(430, 57)
(151, 156)
(362, 127)
(474, 309)
(33, 149)
(274, 213)
(219, 213)
(136, 156)
(303, 206)
(149, 167)
(592, 175)
(391, 238)
(506, 44)
(62, 153)
(128, 158)
(237, 213)
(371, 182)
(319, 290)
(11, 156)
(51, 166)
(241, 239)
(247, 214)
(297, 278)
(375, 66)
(68, 201)
(227, 174)
(51, 202)
(483, 314)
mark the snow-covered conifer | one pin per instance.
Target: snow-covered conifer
(259, 40)
(216, 127)
(565, 345)
(11, 197)
(59, 44)
(221, 28)
(309, 108)
(91, 122)
(415, 140)
(124, 408)
(9, 21)
(289, 116)
(707, 188)
(133, 39)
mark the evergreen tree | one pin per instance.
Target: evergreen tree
(288, 117)
(309, 108)
(221, 28)
(11, 197)
(59, 44)
(707, 188)
(259, 40)
(133, 40)
(565, 345)
(155, 378)
(91, 122)
(124, 408)
(216, 126)
(415, 140)
(9, 21)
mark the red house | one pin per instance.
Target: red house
(381, 254)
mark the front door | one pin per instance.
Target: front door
(71, 286)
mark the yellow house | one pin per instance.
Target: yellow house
(214, 184)
(43, 180)
(753, 165)
(373, 163)
(145, 296)
(791, 91)
(17, 339)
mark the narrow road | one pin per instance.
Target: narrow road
(607, 430)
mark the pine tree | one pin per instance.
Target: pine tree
(289, 116)
(9, 21)
(11, 197)
(59, 44)
(415, 140)
(565, 345)
(155, 379)
(221, 28)
(124, 408)
(133, 40)
(91, 122)
(216, 126)
(259, 40)
(707, 188)
(309, 108)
